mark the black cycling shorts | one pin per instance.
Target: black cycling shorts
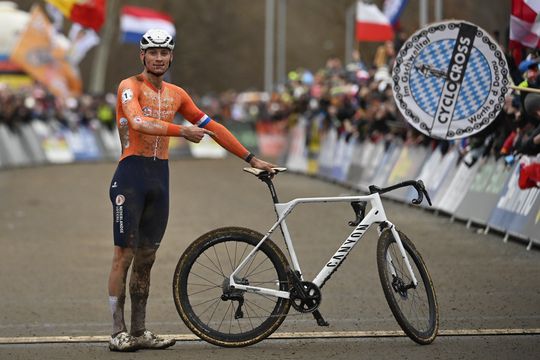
(139, 193)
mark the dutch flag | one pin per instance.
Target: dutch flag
(135, 21)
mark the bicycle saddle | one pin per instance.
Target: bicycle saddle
(257, 172)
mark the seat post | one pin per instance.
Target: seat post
(268, 181)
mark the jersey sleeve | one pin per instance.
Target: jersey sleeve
(226, 139)
(128, 95)
(189, 110)
(223, 137)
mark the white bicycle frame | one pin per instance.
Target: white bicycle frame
(376, 215)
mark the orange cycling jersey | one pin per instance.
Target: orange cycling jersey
(144, 116)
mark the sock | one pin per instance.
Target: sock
(117, 311)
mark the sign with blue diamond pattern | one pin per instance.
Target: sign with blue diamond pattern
(450, 80)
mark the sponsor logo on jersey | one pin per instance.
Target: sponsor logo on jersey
(120, 199)
(147, 111)
(450, 80)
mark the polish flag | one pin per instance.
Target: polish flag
(371, 24)
(135, 21)
(524, 26)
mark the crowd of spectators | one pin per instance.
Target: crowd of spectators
(25, 104)
(355, 98)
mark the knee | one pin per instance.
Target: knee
(145, 257)
(122, 257)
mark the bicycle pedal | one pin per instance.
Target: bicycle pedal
(320, 320)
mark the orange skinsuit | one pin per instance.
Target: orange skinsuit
(144, 118)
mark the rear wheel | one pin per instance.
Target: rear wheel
(224, 316)
(414, 307)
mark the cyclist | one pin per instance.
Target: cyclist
(139, 190)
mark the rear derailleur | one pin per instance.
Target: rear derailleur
(234, 295)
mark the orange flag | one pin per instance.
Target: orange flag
(40, 55)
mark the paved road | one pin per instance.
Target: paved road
(55, 236)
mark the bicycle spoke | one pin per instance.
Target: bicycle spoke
(217, 258)
(203, 291)
(205, 279)
(213, 263)
(255, 268)
(229, 257)
(216, 301)
(210, 269)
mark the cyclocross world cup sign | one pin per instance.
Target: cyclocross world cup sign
(450, 80)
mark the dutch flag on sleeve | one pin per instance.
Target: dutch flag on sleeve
(135, 21)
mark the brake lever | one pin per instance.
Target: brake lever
(421, 190)
(427, 197)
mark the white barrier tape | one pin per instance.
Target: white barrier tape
(278, 335)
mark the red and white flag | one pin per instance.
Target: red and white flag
(524, 26)
(371, 24)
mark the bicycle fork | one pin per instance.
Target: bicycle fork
(404, 256)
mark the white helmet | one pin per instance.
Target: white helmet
(157, 38)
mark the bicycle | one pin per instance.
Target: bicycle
(234, 287)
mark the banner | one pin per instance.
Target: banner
(371, 161)
(410, 162)
(328, 150)
(12, 151)
(271, 138)
(83, 144)
(297, 159)
(386, 165)
(484, 192)
(41, 54)
(515, 206)
(456, 191)
(53, 142)
(344, 152)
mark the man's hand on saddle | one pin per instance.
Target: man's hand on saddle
(263, 165)
(195, 134)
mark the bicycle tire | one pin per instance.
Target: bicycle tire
(211, 258)
(415, 309)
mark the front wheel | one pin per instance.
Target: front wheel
(210, 308)
(414, 307)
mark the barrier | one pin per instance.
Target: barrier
(53, 142)
(298, 156)
(516, 211)
(485, 193)
(12, 150)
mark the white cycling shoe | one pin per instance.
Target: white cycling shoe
(149, 340)
(124, 342)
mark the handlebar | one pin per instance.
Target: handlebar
(417, 184)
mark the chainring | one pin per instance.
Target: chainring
(310, 302)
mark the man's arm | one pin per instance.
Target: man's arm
(128, 95)
(219, 133)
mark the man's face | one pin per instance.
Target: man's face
(157, 60)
